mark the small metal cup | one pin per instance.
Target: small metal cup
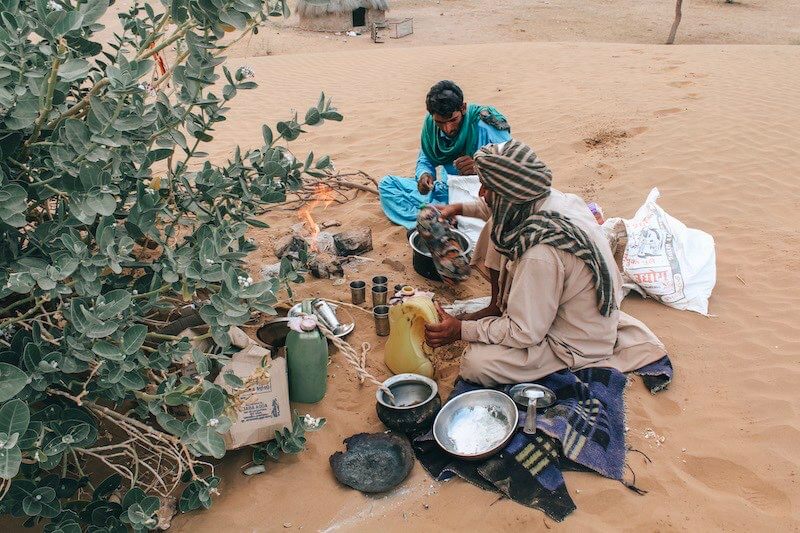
(380, 295)
(398, 287)
(381, 314)
(358, 292)
(380, 280)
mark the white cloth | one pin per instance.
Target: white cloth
(464, 189)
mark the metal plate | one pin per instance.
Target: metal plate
(347, 327)
(518, 393)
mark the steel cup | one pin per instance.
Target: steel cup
(358, 292)
(380, 295)
(381, 314)
(380, 280)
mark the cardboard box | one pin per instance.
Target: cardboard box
(266, 408)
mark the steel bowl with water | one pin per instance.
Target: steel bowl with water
(476, 424)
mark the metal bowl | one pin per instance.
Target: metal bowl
(274, 333)
(423, 263)
(416, 403)
(476, 424)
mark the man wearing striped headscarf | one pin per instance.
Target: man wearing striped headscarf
(559, 286)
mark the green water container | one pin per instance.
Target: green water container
(307, 361)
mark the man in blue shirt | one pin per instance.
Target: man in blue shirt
(451, 134)
(453, 131)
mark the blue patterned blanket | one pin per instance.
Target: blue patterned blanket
(583, 430)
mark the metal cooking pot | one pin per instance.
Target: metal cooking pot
(422, 261)
(416, 403)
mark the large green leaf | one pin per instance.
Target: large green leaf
(133, 338)
(209, 442)
(112, 303)
(216, 398)
(107, 350)
(10, 461)
(12, 381)
(74, 69)
(92, 11)
(65, 23)
(203, 412)
(13, 205)
(14, 417)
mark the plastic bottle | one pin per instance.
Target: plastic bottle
(406, 350)
(307, 360)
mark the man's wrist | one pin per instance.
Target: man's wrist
(469, 330)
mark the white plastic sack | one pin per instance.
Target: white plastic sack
(666, 260)
(464, 189)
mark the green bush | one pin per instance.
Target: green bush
(113, 224)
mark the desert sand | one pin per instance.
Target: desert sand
(715, 125)
(716, 128)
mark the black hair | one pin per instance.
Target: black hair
(444, 98)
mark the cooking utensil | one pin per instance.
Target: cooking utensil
(273, 333)
(476, 424)
(416, 403)
(422, 261)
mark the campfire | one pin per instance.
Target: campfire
(327, 251)
(323, 194)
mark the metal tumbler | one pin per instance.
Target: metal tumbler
(327, 315)
(358, 292)
(381, 314)
(380, 280)
(379, 295)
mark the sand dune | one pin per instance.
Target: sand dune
(717, 129)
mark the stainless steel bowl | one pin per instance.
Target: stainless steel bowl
(476, 424)
(419, 246)
(409, 390)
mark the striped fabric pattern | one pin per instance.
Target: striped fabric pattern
(518, 179)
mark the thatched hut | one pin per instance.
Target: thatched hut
(340, 15)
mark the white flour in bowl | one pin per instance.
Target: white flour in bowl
(476, 429)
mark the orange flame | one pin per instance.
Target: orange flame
(323, 194)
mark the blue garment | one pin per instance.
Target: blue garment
(487, 134)
(401, 200)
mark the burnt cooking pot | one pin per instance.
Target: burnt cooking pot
(416, 403)
(422, 261)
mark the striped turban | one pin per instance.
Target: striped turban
(518, 179)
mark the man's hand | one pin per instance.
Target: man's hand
(425, 184)
(465, 165)
(451, 211)
(447, 331)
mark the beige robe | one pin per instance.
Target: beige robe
(550, 318)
